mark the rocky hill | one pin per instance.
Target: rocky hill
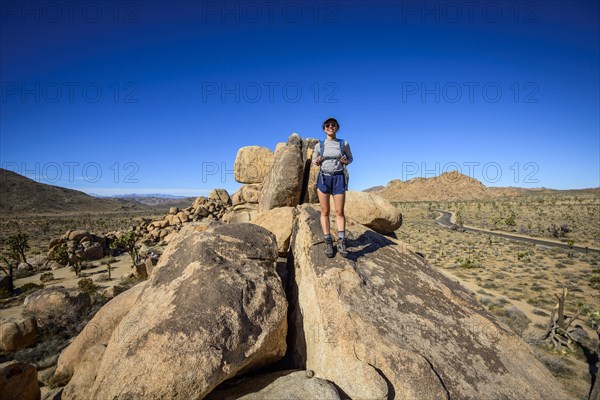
(450, 185)
(20, 194)
(453, 185)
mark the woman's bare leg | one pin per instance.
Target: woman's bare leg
(324, 201)
(340, 219)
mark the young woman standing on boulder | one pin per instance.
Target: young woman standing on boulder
(332, 155)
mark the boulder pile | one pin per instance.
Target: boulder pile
(209, 208)
(81, 246)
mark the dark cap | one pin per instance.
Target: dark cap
(331, 120)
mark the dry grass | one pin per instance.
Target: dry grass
(517, 281)
(536, 215)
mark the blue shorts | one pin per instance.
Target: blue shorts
(332, 184)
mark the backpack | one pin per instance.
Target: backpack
(342, 146)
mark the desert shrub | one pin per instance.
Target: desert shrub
(43, 353)
(513, 317)
(537, 287)
(87, 285)
(595, 281)
(31, 287)
(559, 366)
(86, 265)
(466, 263)
(558, 232)
(485, 300)
(489, 285)
(102, 278)
(535, 301)
(109, 260)
(58, 323)
(502, 300)
(46, 277)
(60, 254)
(126, 284)
(537, 311)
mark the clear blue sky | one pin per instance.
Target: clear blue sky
(157, 97)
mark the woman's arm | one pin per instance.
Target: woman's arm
(316, 154)
(348, 153)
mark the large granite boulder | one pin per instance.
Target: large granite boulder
(247, 194)
(373, 211)
(279, 221)
(18, 333)
(54, 301)
(213, 307)
(98, 331)
(283, 184)
(311, 172)
(384, 324)
(18, 381)
(252, 163)
(220, 195)
(288, 385)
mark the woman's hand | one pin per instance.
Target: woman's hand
(318, 160)
(344, 160)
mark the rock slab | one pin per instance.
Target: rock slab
(384, 324)
(212, 308)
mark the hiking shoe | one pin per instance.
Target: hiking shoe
(341, 247)
(329, 247)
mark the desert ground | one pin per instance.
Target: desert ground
(516, 281)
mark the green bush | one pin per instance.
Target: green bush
(60, 254)
(46, 277)
(466, 263)
(31, 287)
(87, 285)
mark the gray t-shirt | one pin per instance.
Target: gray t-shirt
(332, 155)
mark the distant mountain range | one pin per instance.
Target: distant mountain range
(19, 194)
(155, 199)
(140, 195)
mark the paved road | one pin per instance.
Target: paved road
(445, 220)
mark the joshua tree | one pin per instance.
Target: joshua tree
(109, 268)
(510, 220)
(570, 243)
(17, 245)
(459, 219)
(128, 243)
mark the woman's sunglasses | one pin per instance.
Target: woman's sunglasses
(330, 125)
